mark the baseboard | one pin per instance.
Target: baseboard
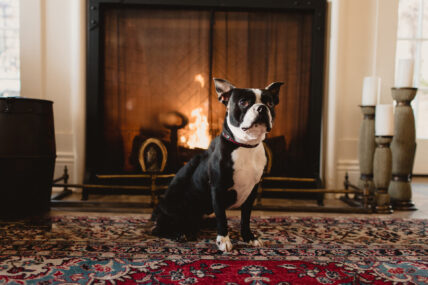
(350, 166)
(64, 159)
(420, 175)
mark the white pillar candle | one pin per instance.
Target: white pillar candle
(371, 89)
(404, 74)
(384, 122)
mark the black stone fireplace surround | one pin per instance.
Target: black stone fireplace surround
(95, 74)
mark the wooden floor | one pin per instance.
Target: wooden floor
(420, 198)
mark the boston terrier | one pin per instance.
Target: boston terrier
(227, 174)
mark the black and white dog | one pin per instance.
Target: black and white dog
(226, 175)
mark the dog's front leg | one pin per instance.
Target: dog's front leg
(222, 241)
(246, 208)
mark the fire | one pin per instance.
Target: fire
(199, 78)
(198, 131)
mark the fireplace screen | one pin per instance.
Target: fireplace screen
(158, 67)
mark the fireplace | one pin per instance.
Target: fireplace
(152, 62)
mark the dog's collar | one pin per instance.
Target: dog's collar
(229, 138)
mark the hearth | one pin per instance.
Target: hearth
(150, 69)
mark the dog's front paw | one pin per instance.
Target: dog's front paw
(256, 242)
(223, 243)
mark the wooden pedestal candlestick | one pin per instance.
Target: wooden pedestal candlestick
(366, 147)
(403, 149)
(382, 174)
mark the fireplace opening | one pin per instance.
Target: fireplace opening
(151, 103)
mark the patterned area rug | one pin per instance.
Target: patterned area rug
(100, 250)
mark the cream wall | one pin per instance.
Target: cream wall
(53, 68)
(362, 39)
(360, 42)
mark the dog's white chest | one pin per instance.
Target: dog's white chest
(248, 165)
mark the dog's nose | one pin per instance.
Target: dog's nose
(261, 108)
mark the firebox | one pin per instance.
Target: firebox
(150, 70)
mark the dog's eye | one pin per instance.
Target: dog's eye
(270, 104)
(243, 103)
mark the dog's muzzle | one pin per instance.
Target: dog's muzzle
(261, 115)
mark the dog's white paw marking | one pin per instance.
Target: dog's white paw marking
(223, 243)
(256, 242)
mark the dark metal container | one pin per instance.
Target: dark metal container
(27, 156)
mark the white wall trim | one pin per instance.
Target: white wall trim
(65, 157)
(78, 88)
(330, 111)
(348, 164)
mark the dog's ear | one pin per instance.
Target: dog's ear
(273, 88)
(224, 90)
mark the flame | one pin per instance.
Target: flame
(198, 131)
(199, 78)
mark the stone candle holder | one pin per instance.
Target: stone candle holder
(366, 147)
(382, 170)
(403, 148)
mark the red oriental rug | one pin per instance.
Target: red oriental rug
(120, 250)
